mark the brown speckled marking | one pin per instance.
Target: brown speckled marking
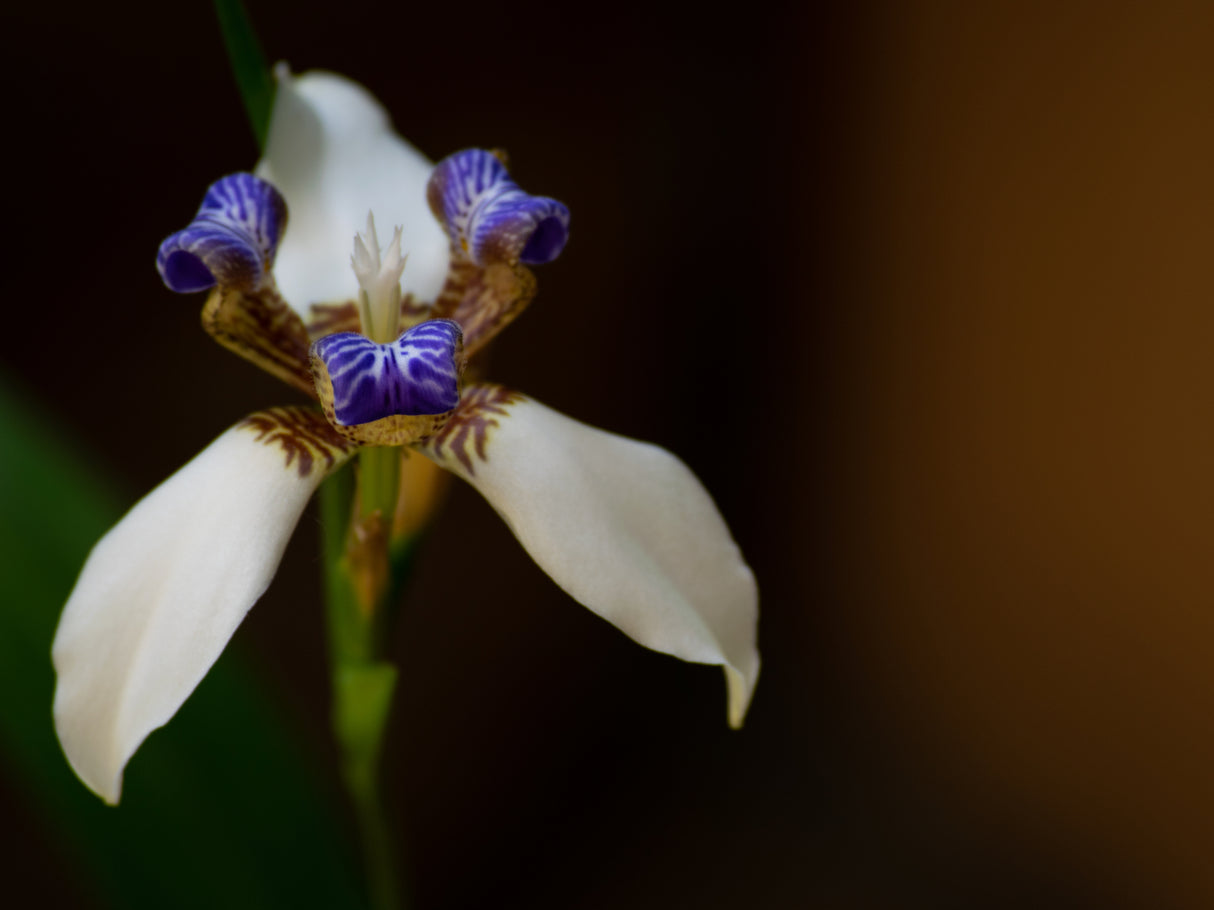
(483, 300)
(263, 329)
(466, 433)
(304, 436)
(331, 318)
(460, 272)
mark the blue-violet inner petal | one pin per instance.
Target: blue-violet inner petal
(416, 374)
(489, 217)
(231, 241)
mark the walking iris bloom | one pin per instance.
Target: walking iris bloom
(622, 526)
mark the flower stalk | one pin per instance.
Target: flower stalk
(359, 594)
(378, 482)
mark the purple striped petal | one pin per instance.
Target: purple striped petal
(416, 374)
(488, 217)
(231, 241)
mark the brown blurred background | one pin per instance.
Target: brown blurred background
(926, 292)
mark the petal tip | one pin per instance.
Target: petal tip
(740, 688)
(89, 752)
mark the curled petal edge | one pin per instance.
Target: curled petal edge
(164, 590)
(489, 218)
(232, 240)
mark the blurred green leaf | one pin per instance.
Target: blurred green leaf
(218, 809)
(253, 77)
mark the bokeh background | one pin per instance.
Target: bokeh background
(923, 294)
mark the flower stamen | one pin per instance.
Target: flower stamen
(379, 283)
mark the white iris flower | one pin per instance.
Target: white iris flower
(622, 526)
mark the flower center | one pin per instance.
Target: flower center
(379, 283)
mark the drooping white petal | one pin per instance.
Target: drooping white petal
(164, 590)
(333, 155)
(623, 526)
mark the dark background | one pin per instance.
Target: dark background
(926, 302)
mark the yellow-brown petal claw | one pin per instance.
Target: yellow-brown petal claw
(484, 300)
(264, 330)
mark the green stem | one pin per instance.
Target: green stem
(362, 698)
(359, 588)
(378, 480)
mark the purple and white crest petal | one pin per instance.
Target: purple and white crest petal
(488, 217)
(332, 153)
(414, 375)
(232, 240)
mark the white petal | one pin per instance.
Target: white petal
(333, 155)
(625, 528)
(163, 591)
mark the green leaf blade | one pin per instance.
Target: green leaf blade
(253, 76)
